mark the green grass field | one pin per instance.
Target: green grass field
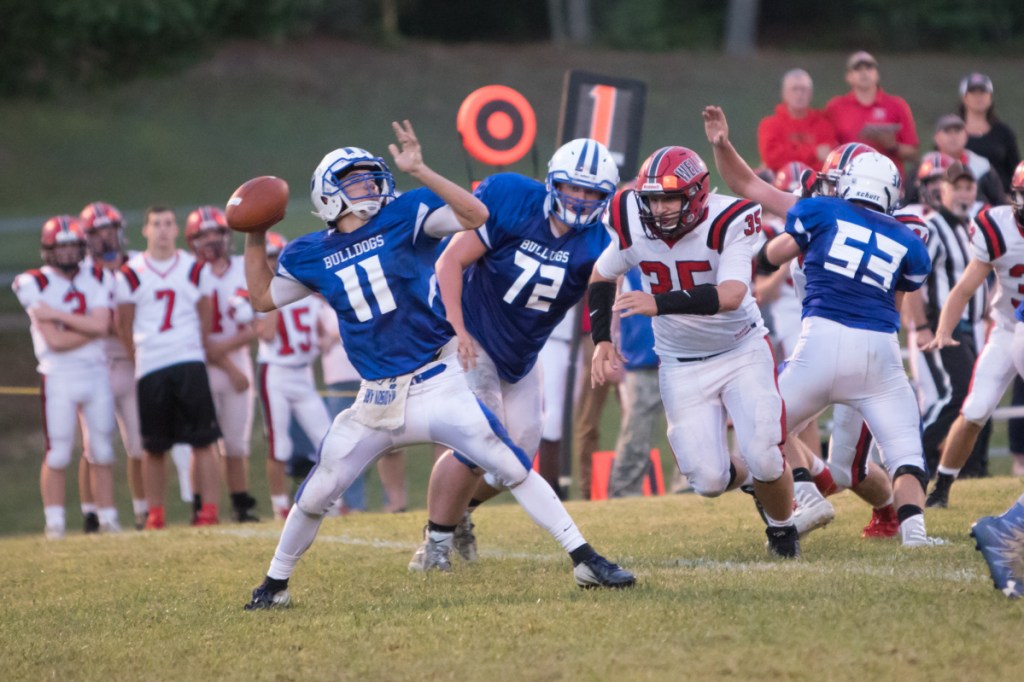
(710, 603)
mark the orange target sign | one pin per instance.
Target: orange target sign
(497, 125)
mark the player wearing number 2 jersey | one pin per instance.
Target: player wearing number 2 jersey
(858, 262)
(163, 315)
(694, 249)
(374, 264)
(505, 288)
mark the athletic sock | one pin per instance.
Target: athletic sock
(297, 535)
(951, 472)
(537, 498)
(54, 516)
(280, 502)
(88, 508)
(139, 506)
(906, 511)
(581, 554)
(817, 466)
(802, 475)
(107, 516)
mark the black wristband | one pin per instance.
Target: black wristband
(700, 300)
(600, 298)
(763, 265)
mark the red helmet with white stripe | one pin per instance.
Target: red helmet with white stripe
(673, 173)
(208, 219)
(58, 232)
(835, 163)
(1017, 193)
(788, 178)
(104, 231)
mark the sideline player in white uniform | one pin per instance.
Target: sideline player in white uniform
(228, 362)
(695, 249)
(288, 346)
(104, 233)
(163, 315)
(505, 287)
(70, 312)
(375, 266)
(850, 441)
(859, 261)
(998, 245)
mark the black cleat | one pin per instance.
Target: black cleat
(938, 497)
(783, 541)
(599, 572)
(91, 524)
(242, 507)
(264, 598)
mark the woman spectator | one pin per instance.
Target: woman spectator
(987, 135)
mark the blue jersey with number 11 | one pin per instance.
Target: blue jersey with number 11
(380, 281)
(518, 292)
(856, 260)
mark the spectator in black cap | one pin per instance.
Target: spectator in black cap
(986, 134)
(951, 138)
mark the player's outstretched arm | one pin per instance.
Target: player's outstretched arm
(736, 173)
(976, 273)
(470, 211)
(463, 250)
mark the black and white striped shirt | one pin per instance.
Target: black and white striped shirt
(949, 245)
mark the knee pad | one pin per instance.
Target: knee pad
(59, 455)
(768, 466)
(709, 484)
(102, 455)
(912, 470)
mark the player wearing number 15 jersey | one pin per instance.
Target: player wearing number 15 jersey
(374, 264)
(507, 286)
(163, 314)
(858, 261)
(694, 249)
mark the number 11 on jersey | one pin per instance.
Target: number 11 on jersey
(378, 286)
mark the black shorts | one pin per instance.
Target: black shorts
(175, 406)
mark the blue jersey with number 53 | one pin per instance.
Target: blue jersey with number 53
(518, 292)
(380, 281)
(856, 260)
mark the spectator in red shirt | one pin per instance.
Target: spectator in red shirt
(795, 132)
(870, 115)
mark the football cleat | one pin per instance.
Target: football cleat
(783, 541)
(91, 523)
(264, 598)
(913, 534)
(1002, 545)
(140, 520)
(54, 532)
(812, 510)
(110, 527)
(432, 555)
(883, 524)
(464, 540)
(599, 572)
(153, 522)
(243, 512)
(938, 497)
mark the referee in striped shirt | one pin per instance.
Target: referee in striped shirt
(944, 376)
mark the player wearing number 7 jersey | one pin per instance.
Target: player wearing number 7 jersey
(374, 264)
(694, 249)
(859, 261)
(163, 316)
(506, 287)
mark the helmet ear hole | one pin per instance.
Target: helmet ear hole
(586, 164)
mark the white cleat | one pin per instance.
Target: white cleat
(913, 534)
(813, 511)
(54, 532)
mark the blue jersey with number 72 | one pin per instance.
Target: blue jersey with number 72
(380, 281)
(856, 260)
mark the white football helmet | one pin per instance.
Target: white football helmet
(873, 179)
(584, 163)
(329, 189)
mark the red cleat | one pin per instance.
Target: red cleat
(883, 524)
(207, 516)
(825, 484)
(155, 519)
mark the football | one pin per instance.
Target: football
(258, 204)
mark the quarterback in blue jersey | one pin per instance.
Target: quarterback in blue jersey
(505, 287)
(374, 265)
(859, 262)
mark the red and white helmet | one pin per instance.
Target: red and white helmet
(871, 179)
(674, 172)
(835, 163)
(789, 178)
(208, 219)
(275, 243)
(933, 167)
(1017, 193)
(62, 230)
(104, 244)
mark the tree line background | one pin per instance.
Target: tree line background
(48, 44)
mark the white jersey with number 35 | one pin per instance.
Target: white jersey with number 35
(167, 329)
(720, 248)
(295, 344)
(999, 241)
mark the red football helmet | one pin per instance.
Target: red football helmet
(62, 231)
(835, 163)
(678, 173)
(208, 219)
(933, 167)
(104, 231)
(275, 243)
(788, 178)
(1017, 193)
